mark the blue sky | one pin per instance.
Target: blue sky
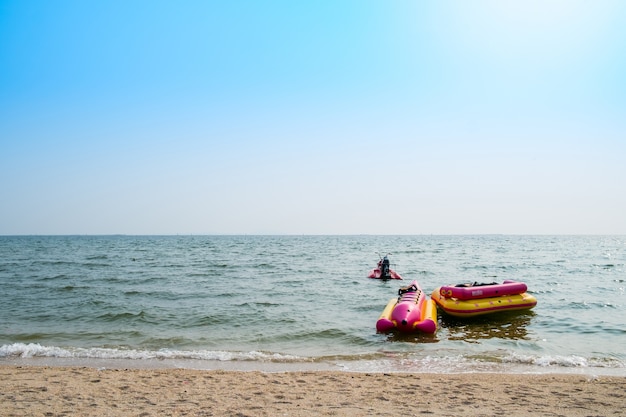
(320, 117)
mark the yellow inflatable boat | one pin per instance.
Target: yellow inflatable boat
(480, 306)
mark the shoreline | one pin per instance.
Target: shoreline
(73, 390)
(349, 366)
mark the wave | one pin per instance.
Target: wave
(569, 361)
(495, 362)
(123, 316)
(35, 350)
(382, 361)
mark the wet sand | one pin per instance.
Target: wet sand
(76, 391)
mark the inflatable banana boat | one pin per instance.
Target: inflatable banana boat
(409, 312)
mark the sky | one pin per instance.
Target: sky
(318, 117)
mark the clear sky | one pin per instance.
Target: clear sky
(312, 117)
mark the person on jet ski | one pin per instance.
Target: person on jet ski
(384, 269)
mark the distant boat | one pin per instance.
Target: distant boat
(383, 270)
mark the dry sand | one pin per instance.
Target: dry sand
(73, 391)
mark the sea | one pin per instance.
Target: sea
(301, 303)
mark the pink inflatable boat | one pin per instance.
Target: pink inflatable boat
(410, 312)
(469, 300)
(475, 290)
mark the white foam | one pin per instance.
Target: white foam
(567, 361)
(33, 350)
(501, 362)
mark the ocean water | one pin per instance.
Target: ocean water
(277, 303)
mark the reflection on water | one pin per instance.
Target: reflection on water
(417, 337)
(507, 325)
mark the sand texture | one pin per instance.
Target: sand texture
(73, 391)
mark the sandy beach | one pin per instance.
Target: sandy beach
(74, 391)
